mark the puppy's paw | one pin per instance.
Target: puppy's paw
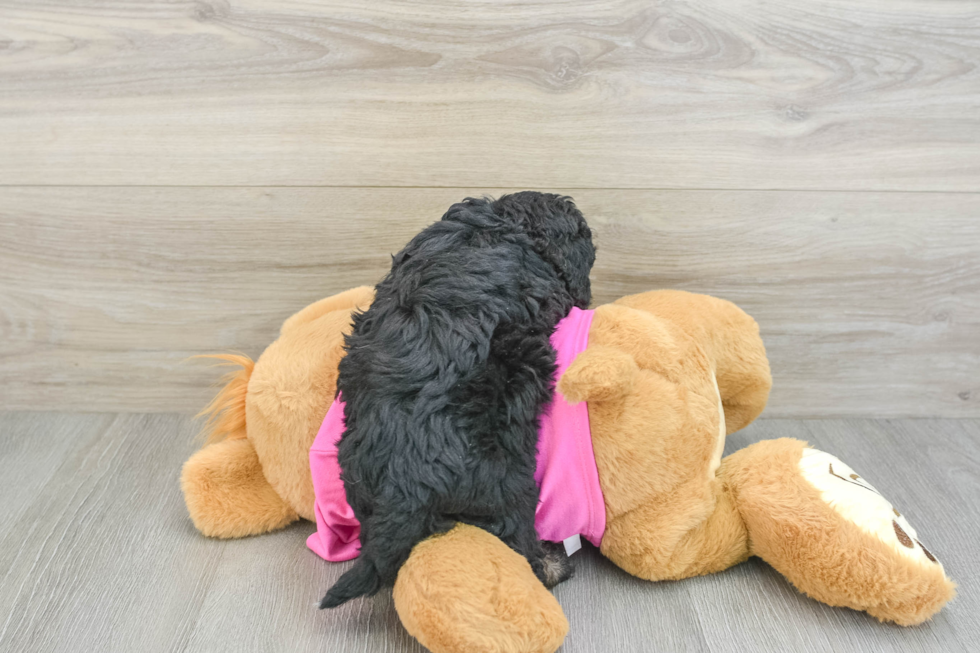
(555, 566)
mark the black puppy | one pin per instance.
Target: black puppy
(445, 376)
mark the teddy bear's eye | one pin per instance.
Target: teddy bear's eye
(851, 478)
(926, 551)
(902, 536)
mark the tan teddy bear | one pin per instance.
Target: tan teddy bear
(667, 375)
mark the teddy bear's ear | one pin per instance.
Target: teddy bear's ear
(834, 536)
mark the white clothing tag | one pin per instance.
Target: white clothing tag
(572, 544)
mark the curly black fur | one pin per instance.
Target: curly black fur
(445, 377)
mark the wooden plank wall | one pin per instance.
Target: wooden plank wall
(178, 177)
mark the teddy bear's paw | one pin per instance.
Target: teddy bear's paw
(889, 573)
(466, 591)
(832, 534)
(856, 500)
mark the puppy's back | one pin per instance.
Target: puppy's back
(444, 377)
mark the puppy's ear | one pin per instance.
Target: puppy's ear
(565, 240)
(579, 255)
(474, 211)
(559, 233)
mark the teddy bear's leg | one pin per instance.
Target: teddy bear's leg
(832, 534)
(728, 336)
(465, 591)
(700, 532)
(668, 516)
(227, 494)
(741, 366)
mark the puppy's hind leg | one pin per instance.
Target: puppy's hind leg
(547, 559)
(555, 566)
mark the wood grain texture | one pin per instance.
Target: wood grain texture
(869, 302)
(102, 557)
(680, 94)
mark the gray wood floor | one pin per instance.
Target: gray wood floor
(97, 554)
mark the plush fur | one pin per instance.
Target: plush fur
(446, 375)
(264, 483)
(469, 577)
(227, 494)
(826, 557)
(675, 508)
(668, 515)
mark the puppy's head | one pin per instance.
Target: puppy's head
(559, 233)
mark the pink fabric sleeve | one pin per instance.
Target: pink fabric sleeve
(337, 529)
(571, 501)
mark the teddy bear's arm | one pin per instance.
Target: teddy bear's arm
(598, 374)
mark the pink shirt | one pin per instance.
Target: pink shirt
(571, 499)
